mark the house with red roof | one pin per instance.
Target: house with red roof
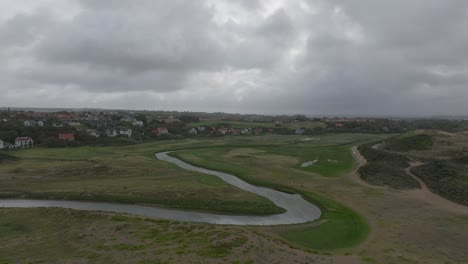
(67, 136)
(160, 131)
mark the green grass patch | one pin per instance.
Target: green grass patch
(409, 142)
(240, 124)
(330, 161)
(340, 227)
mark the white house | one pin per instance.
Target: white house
(93, 133)
(126, 132)
(40, 123)
(201, 129)
(299, 131)
(128, 119)
(111, 133)
(193, 131)
(2, 146)
(223, 131)
(30, 123)
(74, 123)
(138, 123)
(246, 131)
(24, 142)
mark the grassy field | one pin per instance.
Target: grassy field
(239, 124)
(408, 142)
(87, 237)
(339, 228)
(339, 237)
(131, 174)
(119, 175)
(277, 167)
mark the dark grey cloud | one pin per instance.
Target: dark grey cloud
(323, 57)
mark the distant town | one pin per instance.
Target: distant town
(27, 128)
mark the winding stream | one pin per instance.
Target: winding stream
(298, 210)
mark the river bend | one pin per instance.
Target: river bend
(297, 209)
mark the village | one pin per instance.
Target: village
(25, 129)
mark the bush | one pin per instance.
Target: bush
(385, 169)
(445, 177)
(408, 143)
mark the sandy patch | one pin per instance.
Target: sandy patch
(309, 163)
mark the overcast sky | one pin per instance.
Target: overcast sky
(360, 57)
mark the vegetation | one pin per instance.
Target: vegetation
(120, 175)
(131, 174)
(385, 169)
(243, 124)
(410, 142)
(330, 161)
(444, 170)
(448, 178)
(6, 157)
(339, 227)
(91, 237)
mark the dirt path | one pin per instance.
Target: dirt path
(426, 195)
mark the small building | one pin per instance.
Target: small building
(258, 131)
(160, 131)
(201, 129)
(57, 125)
(2, 145)
(29, 123)
(93, 133)
(8, 146)
(192, 131)
(223, 131)
(246, 131)
(126, 132)
(235, 131)
(74, 123)
(138, 123)
(169, 120)
(24, 142)
(299, 131)
(128, 118)
(67, 136)
(111, 132)
(339, 125)
(40, 123)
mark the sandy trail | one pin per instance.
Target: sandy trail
(426, 195)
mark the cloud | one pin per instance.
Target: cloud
(315, 57)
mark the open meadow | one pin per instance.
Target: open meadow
(359, 223)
